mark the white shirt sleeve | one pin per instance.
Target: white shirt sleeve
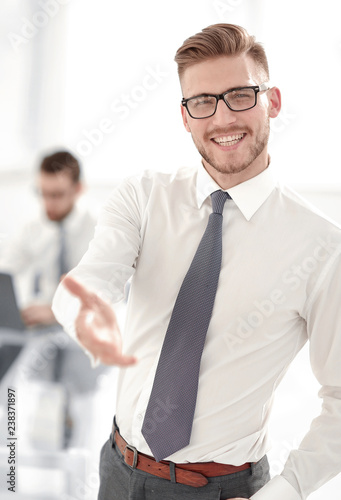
(277, 489)
(110, 260)
(317, 460)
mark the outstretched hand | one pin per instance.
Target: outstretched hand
(96, 326)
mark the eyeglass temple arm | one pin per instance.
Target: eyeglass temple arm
(264, 86)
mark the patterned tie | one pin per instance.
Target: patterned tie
(169, 416)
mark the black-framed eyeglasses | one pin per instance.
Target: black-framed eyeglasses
(238, 99)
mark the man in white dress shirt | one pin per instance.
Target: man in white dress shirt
(53, 242)
(279, 287)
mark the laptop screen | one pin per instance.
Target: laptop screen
(9, 310)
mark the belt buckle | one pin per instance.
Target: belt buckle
(134, 450)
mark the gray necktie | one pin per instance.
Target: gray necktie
(168, 420)
(62, 257)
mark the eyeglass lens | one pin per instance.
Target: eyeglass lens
(238, 100)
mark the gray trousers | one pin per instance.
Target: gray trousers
(118, 481)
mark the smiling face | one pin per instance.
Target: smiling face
(233, 145)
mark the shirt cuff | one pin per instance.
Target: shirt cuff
(277, 489)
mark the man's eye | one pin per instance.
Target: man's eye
(203, 101)
(241, 95)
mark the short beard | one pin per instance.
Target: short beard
(236, 167)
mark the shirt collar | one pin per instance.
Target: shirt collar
(248, 196)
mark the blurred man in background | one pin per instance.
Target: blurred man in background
(37, 256)
(51, 244)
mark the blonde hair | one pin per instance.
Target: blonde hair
(220, 40)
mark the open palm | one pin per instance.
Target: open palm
(96, 326)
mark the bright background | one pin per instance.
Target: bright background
(99, 79)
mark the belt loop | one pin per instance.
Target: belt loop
(252, 468)
(172, 472)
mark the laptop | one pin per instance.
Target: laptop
(9, 311)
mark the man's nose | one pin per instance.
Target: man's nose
(49, 203)
(223, 114)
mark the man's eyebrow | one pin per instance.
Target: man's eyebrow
(228, 90)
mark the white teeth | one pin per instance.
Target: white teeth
(229, 140)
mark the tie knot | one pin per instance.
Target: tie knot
(218, 199)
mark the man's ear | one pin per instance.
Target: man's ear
(185, 117)
(275, 102)
(79, 188)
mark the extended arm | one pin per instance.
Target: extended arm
(83, 302)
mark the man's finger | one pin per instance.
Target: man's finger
(123, 361)
(105, 351)
(78, 290)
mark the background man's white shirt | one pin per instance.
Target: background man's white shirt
(31, 255)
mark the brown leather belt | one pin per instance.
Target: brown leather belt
(191, 474)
